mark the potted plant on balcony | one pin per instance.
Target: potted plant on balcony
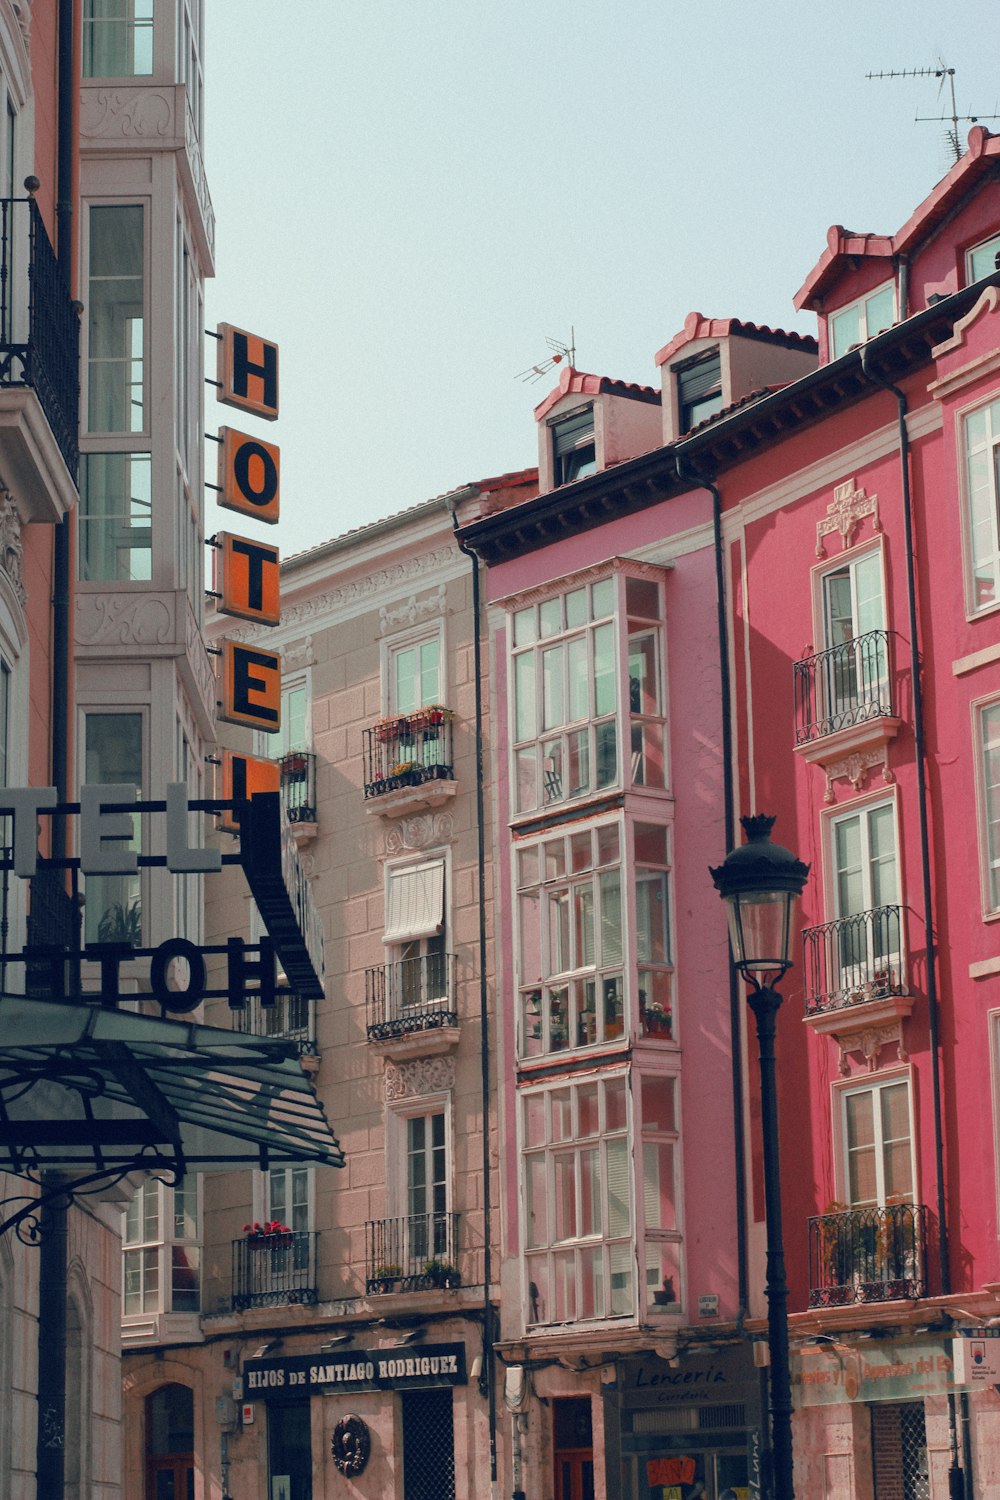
(441, 1273)
(272, 1233)
(294, 765)
(385, 1276)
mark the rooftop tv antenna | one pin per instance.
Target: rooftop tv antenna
(560, 351)
(954, 119)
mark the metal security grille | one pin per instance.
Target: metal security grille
(428, 1446)
(899, 1451)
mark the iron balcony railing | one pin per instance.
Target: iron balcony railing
(39, 323)
(298, 786)
(274, 1270)
(868, 1255)
(847, 685)
(409, 750)
(853, 959)
(290, 1018)
(412, 1254)
(412, 994)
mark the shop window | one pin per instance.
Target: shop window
(113, 751)
(982, 259)
(981, 432)
(574, 446)
(115, 319)
(578, 1239)
(428, 1445)
(989, 803)
(862, 320)
(116, 518)
(699, 390)
(170, 1444)
(117, 38)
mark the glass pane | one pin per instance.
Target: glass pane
(588, 1114)
(611, 917)
(590, 1191)
(658, 1175)
(524, 627)
(845, 330)
(983, 259)
(115, 524)
(880, 311)
(615, 1105)
(115, 319)
(550, 617)
(562, 1115)
(524, 697)
(591, 1284)
(602, 596)
(621, 1279)
(537, 1230)
(604, 669)
(576, 608)
(606, 753)
(534, 1120)
(644, 678)
(619, 1217)
(553, 687)
(579, 695)
(651, 917)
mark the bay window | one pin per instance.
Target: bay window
(115, 319)
(117, 38)
(578, 1225)
(161, 1255)
(660, 1191)
(116, 518)
(113, 753)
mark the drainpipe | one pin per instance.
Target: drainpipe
(955, 1480)
(729, 818)
(487, 1383)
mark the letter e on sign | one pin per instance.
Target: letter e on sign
(249, 581)
(251, 687)
(249, 475)
(247, 372)
(244, 776)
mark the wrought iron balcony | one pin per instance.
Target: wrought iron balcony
(848, 685)
(868, 1255)
(413, 1254)
(853, 960)
(39, 324)
(298, 786)
(274, 1270)
(290, 1017)
(409, 751)
(413, 994)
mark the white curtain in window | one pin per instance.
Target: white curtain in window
(414, 905)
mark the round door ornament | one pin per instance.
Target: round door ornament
(351, 1445)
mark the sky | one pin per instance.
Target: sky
(412, 196)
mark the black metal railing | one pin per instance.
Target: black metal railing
(853, 959)
(274, 1270)
(868, 1255)
(39, 323)
(413, 1254)
(290, 1018)
(298, 786)
(408, 751)
(844, 686)
(412, 994)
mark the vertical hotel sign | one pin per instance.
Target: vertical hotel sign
(247, 571)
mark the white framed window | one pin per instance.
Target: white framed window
(876, 1139)
(413, 672)
(113, 752)
(415, 937)
(865, 894)
(115, 526)
(981, 466)
(862, 319)
(987, 733)
(418, 1176)
(115, 318)
(117, 38)
(699, 389)
(587, 666)
(296, 719)
(659, 1102)
(982, 259)
(853, 665)
(574, 446)
(161, 1267)
(578, 1226)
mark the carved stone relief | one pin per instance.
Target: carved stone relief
(22, 11)
(844, 513)
(136, 112)
(869, 1042)
(124, 619)
(299, 654)
(425, 1075)
(422, 831)
(855, 767)
(411, 611)
(11, 548)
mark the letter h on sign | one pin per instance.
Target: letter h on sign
(247, 372)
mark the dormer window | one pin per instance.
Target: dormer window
(699, 389)
(862, 320)
(574, 446)
(983, 259)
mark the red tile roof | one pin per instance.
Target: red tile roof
(576, 382)
(697, 326)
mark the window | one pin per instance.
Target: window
(982, 468)
(989, 790)
(660, 1192)
(116, 534)
(414, 675)
(982, 259)
(115, 319)
(117, 38)
(161, 1254)
(574, 447)
(854, 668)
(578, 1236)
(878, 1158)
(113, 751)
(862, 320)
(290, 1200)
(293, 734)
(415, 938)
(866, 893)
(427, 1187)
(699, 390)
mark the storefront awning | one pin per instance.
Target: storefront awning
(85, 1090)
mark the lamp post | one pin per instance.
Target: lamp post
(761, 882)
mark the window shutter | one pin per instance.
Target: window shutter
(414, 902)
(697, 379)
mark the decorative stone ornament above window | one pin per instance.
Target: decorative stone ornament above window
(845, 512)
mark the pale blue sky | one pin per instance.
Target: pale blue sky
(412, 194)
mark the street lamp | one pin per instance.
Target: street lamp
(761, 882)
